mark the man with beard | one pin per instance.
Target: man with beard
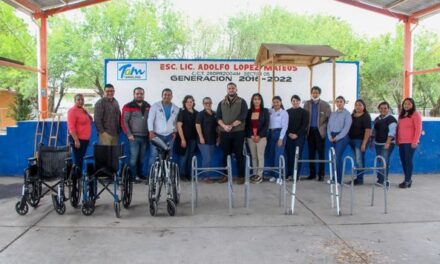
(231, 116)
(134, 122)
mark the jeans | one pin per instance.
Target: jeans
(153, 154)
(232, 142)
(291, 145)
(79, 153)
(316, 144)
(385, 153)
(206, 151)
(186, 159)
(274, 151)
(137, 153)
(359, 158)
(340, 147)
(406, 157)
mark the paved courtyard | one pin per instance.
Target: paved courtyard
(409, 233)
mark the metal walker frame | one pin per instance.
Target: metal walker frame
(280, 170)
(224, 171)
(334, 190)
(355, 171)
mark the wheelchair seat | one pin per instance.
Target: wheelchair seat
(160, 144)
(107, 159)
(51, 162)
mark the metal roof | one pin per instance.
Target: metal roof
(400, 9)
(405, 7)
(49, 7)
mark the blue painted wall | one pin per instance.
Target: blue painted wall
(18, 145)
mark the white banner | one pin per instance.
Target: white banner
(201, 78)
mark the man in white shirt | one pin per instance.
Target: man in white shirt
(162, 121)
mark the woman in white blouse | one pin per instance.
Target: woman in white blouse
(276, 141)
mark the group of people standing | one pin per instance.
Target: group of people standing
(269, 133)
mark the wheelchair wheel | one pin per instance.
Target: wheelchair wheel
(74, 186)
(175, 183)
(127, 192)
(21, 208)
(153, 207)
(35, 194)
(88, 208)
(171, 207)
(152, 182)
(60, 208)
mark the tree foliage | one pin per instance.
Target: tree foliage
(16, 43)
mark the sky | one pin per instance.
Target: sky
(363, 22)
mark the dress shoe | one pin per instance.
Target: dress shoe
(320, 178)
(382, 183)
(355, 182)
(405, 185)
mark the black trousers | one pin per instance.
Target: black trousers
(232, 143)
(316, 144)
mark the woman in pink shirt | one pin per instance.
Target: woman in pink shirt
(79, 124)
(409, 128)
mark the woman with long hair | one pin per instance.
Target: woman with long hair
(257, 126)
(409, 129)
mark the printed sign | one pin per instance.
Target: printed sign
(202, 78)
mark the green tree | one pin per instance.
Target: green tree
(16, 43)
(125, 29)
(21, 109)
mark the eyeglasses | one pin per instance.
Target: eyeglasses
(207, 103)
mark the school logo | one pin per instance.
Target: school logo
(132, 71)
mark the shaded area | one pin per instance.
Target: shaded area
(10, 190)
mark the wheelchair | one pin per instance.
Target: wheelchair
(107, 166)
(53, 169)
(163, 172)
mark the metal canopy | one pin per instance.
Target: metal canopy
(299, 55)
(405, 7)
(405, 10)
(38, 8)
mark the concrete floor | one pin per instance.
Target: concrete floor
(409, 233)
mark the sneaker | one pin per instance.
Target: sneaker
(289, 178)
(321, 178)
(272, 179)
(256, 179)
